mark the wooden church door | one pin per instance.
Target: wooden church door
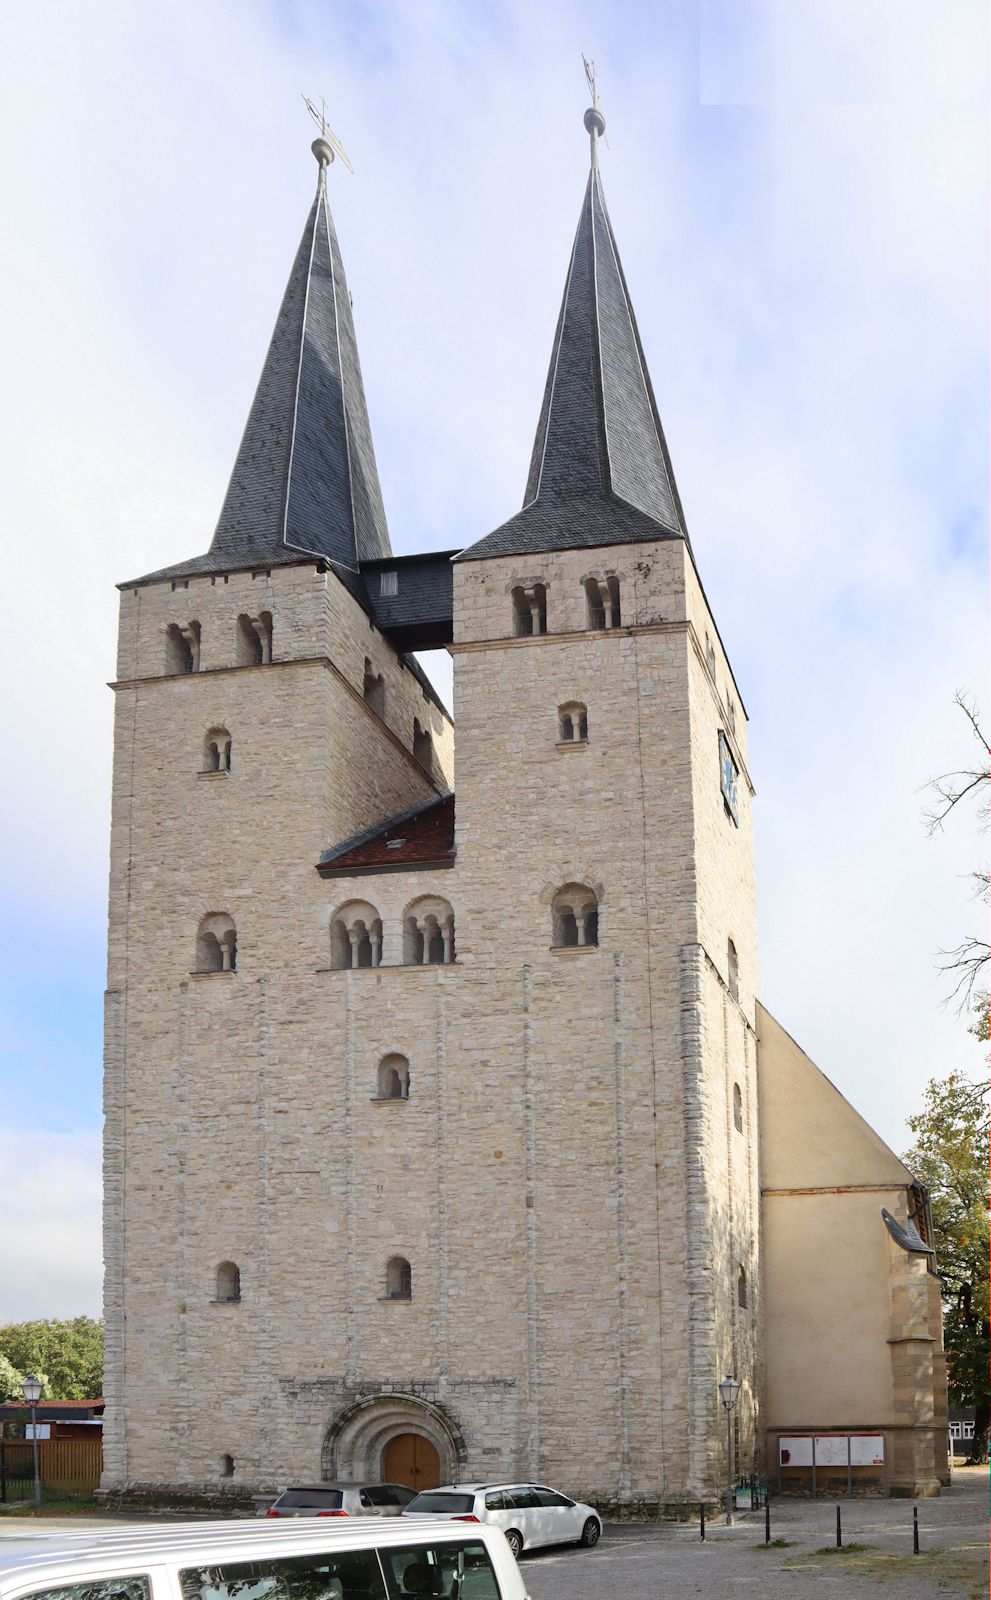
(411, 1459)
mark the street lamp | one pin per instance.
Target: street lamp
(31, 1390)
(728, 1392)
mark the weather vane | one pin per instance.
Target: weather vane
(595, 122)
(328, 145)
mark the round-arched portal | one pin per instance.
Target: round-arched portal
(398, 1427)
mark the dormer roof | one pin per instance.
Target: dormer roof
(600, 472)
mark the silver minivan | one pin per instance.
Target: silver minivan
(355, 1558)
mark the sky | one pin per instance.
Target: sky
(800, 197)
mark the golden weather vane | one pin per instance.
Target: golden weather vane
(328, 145)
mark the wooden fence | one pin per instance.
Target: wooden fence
(67, 1466)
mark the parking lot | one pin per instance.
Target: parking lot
(639, 1563)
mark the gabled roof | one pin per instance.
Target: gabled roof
(305, 482)
(600, 471)
(423, 835)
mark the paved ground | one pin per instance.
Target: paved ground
(666, 1562)
(641, 1563)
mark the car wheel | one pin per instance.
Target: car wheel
(515, 1542)
(590, 1533)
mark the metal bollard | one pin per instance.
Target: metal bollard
(702, 1522)
(767, 1519)
(915, 1530)
(839, 1530)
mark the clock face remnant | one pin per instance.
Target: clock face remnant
(728, 778)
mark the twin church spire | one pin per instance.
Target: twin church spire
(305, 481)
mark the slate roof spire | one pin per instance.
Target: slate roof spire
(600, 472)
(305, 482)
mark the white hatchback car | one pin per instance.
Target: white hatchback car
(529, 1514)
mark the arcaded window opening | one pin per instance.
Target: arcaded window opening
(572, 721)
(741, 1290)
(393, 1078)
(216, 944)
(732, 970)
(737, 1108)
(602, 603)
(182, 647)
(356, 937)
(373, 689)
(428, 933)
(529, 610)
(217, 751)
(423, 745)
(228, 1282)
(227, 1466)
(254, 639)
(575, 917)
(398, 1279)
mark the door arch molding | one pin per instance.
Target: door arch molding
(355, 1441)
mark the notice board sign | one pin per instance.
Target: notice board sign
(867, 1449)
(831, 1449)
(795, 1450)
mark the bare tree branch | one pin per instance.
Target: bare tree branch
(967, 963)
(952, 787)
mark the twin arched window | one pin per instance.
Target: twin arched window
(529, 610)
(217, 751)
(575, 917)
(254, 639)
(572, 722)
(602, 602)
(428, 934)
(356, 936)
(182, 647)
(228, 1283)
(373, 688)
(216, 944)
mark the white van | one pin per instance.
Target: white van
(360, 1558)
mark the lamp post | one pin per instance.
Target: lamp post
(728, 1391)
(31, 1390)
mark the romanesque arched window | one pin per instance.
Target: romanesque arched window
(602, 602)
(742, 1299)
(572, 722)
(423, 745)
(393, 1078)
(428, 933)
(373, 688)
(217, 751)
(226, 1466)
(216, 943)
(254, 639)
(228, 1282)
(732, 970)
(529, 610)
(575, 917)
(356, 936)
(398, 1279)
(182, 647)
(737, 1108)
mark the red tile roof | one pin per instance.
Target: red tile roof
(423, 836)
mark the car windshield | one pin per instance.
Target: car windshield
(302, 1499)
(439, 1503)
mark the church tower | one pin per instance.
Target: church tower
(431, 1119)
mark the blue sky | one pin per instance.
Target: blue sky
(800, 197)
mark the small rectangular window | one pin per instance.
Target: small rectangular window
(728, 777)
(388, 583)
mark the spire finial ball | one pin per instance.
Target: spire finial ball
(594, 121)
(323, 152)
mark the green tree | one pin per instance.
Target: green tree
(950, 1156)
(68, 1354)
(10, 1380)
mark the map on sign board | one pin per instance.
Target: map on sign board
(831, 1449)
(867, 1449)
(795, 1450)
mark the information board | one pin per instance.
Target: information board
(831, 1449)
(795, 1450)
(867, 1449)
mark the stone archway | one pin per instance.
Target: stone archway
(357, 1439)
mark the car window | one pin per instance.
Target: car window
(103, 1589)
(379, 1494)
(496, 1502)
(347, 1575)
(550, 1497)
(402, 1494)
(320, 1499)
(523, 1499)
(444, 1571)
(436, 1501)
